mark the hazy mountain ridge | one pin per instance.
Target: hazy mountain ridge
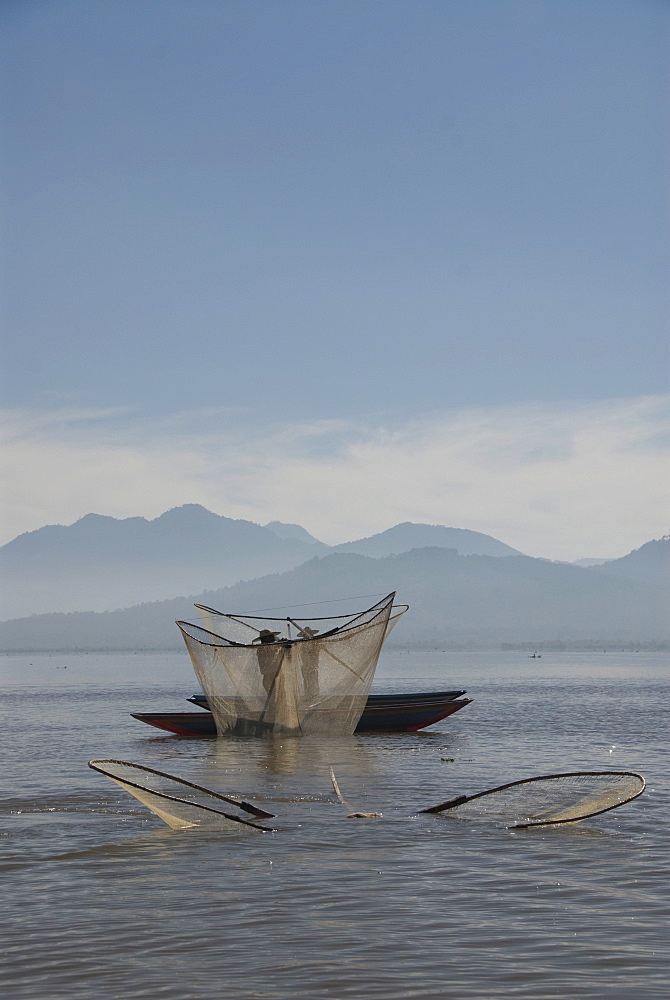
(453, 599)
(101, 563)
(283, 530)
(408, 535)
(649, 564)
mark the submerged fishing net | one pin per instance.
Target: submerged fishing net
(302, 676)
(552, 798)
(179, 803)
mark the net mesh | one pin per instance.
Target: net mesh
(557, 798)
(304, 680)
(177, 802)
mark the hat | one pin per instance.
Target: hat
(264, 633)
(307, 632)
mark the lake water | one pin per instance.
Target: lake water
(101, 899)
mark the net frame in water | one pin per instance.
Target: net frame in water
(173, 819)
(461, 800)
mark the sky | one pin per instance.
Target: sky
(343, 263)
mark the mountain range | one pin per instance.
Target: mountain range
(455, 599)
(101, 563)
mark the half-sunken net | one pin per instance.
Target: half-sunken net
(297, 684)
(177, 802)
(554, 798)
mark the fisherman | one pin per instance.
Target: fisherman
(269, 660)
(310, 664)
(309, 661)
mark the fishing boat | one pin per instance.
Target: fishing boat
(375, 701)
(382, 713)
(288, 675)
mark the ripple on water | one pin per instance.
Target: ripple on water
(103, 900)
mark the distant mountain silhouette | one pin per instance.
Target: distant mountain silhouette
(100, 563)
(650, 563)
(406, 536)
(453, 600)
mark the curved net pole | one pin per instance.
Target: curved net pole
(207, 615)
(353, 814)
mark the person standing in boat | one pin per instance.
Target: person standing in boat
(309, 662)
(269, 659)
(277, 667)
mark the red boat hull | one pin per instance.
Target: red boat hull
(401, 716)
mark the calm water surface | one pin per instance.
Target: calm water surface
(100, 899)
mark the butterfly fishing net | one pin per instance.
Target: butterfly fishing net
(180, 803)
(553, 798)
(288, 675)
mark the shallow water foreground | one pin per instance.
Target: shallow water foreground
(102, 899)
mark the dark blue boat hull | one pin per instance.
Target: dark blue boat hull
(377, 701)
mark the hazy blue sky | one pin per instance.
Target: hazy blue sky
(250, 239)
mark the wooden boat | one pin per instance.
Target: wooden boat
(383, 713)
(375, 701)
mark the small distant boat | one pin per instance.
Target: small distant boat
(383, 713)
(535, 656)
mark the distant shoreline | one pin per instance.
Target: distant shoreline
(548, 646)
